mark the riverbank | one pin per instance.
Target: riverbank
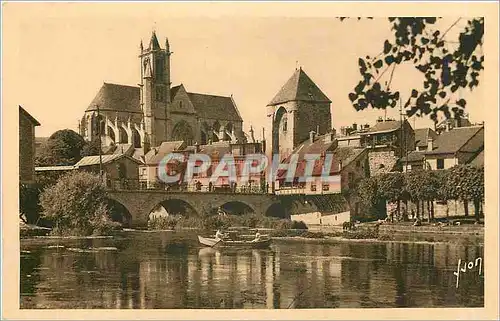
(366, 232)
(465, 234)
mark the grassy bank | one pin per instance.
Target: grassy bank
(215, 222)
(391, 232)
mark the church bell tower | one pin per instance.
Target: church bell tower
(155, 89)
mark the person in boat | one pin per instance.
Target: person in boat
(219, 235)
(257, 237)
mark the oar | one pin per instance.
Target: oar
(216, 243)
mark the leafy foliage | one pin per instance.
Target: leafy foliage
(28, 203)
(77, 204)
(391, 186)
(91, 148)
(461, 182)
(445, 67)
(62, 148)
(465, 183)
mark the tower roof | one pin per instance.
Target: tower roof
(299, 87)
(153, 43)
(113, 97)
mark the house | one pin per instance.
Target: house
(460, 145)
(27, 124)
(423, 137)
(148, 170)
(385, 135)
(450, 123)
(346, 166)
(120, 171)
(205, 181)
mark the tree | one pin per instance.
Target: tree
(77, 204)
(91, 148)
(28, 203)
(445, 65)
(466, 183)
(62, 148)
(391, 188)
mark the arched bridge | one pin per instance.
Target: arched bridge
(140, 203)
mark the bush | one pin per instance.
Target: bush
(313, 235)
(163, 223)
(362, 233)
(77, 204)
(299, 225)
(216, 222)
(29, 206)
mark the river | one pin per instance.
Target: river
(167, 270)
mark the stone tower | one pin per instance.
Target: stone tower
(155, 89)
(299, 108)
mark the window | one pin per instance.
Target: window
(285, 125)
(180, 104)
(358, 163)
(326, 187)
(159, 67)
(313, 187)
(440, 163)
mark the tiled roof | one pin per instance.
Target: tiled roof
(214, 107)
(113, 97)
(28, 115)
(414, 156)
(173, 91)
(320, 145)
(94, 160)
(127, 149)
(344, 155)
(53, 168)
(478, 161)
(299, 87)
(422, 135)
(450, 142)
(219, 148)
(384, 127)
(155, 155)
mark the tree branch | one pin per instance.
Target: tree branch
(449, 28)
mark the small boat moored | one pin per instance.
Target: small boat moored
(262, 243)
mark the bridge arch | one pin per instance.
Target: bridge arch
(119, 212)
(176, 206)
(236, 207)
(277, 210)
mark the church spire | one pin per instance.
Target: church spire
(142, 46)
(153, 43)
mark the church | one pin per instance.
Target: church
(144, 116)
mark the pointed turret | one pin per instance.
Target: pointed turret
(153, 43)
(299, 88)
(142, 46)
(167, 45)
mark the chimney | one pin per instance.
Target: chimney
(355, 126)
(317, 130)
(196, 147)
(430, 145)
(311, 136)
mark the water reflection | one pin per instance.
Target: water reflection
(169, 270)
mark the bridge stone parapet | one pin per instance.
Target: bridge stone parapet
(141, 203)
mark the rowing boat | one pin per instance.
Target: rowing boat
(211, 242)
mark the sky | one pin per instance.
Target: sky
(56, 57)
